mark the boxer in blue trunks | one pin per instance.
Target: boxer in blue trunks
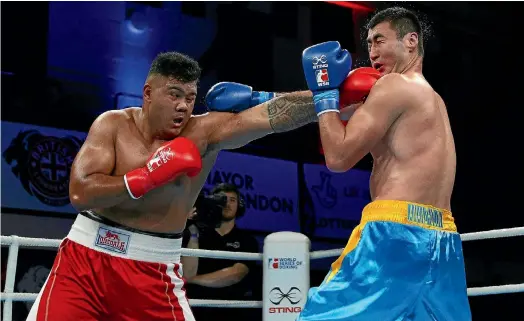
(404, 261)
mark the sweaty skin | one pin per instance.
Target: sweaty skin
(121, 140)
(403, 124)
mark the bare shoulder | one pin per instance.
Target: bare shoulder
(210, 118)
(391, 94)
(202, 127)
(397, 84)
(209, 121)
(114, 117)
(198, 123)
(110, 121)
(405, 89)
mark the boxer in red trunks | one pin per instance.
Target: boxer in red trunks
(135, 179)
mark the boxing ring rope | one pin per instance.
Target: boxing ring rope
(15, 242)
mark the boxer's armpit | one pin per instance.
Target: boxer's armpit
(291, 111)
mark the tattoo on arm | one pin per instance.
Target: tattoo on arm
(290, 111)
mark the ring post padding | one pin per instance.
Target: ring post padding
(286, 275)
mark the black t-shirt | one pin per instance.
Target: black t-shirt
(235, 241)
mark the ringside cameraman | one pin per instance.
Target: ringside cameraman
(213, 228)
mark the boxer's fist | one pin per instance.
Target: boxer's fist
(357, 85)
(234, 97)
(325, 65)
(172, 159)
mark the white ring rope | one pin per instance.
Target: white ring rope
(507, 232)
(192, 302)
(14, 242)
(53, 243)
(498, 289)
(49, 243)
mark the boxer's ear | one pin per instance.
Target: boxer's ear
(146, 92)
(411, 41)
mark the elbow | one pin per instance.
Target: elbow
(77, 197)
(241, 272)
(337, 164)
(241, 276)
(78, 202)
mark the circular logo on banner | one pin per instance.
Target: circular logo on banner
(42, 164)
(49, 163)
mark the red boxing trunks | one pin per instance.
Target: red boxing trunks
(105, 271)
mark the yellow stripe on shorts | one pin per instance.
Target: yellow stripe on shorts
(425, 216)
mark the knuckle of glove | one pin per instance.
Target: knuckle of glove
(228, 96)
(214, 93)
(326, 65)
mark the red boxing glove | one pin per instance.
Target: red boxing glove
(357, 85)
(172, 159)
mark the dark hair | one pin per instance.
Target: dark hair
(177, 65)
(225, 188)
(403, 21)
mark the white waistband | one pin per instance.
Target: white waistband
(122, 243)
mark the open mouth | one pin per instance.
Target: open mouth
(177, 121)
(377, 66)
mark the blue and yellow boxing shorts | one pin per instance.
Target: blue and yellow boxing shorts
(402, 262)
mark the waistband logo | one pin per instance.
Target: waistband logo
(112, 240)
(424, 215)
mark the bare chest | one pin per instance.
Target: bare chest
(132, 152)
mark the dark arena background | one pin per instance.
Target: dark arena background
(64, 63)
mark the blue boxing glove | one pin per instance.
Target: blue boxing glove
(234, 97)
(326, 66)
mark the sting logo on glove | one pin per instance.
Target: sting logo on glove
(319, 60)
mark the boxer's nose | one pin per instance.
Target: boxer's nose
(373, 55)
(182, 107)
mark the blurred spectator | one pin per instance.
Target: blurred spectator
(219, 279)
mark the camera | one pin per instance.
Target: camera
(209, 209)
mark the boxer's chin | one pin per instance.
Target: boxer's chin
(172, 132)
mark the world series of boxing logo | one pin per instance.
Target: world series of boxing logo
(284, 263)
